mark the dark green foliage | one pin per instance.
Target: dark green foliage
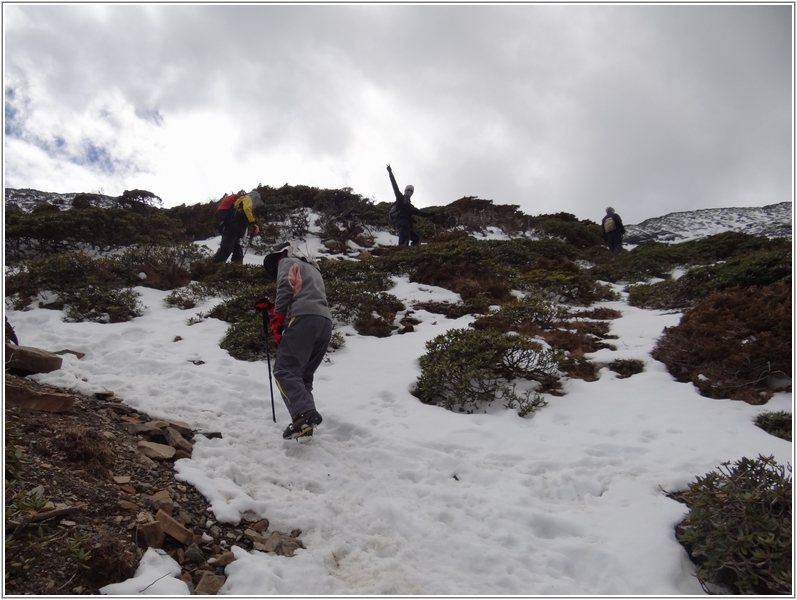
(739, 528)
(476, 215)
(732, 343)
(523, 311)
(86, 289)
(245, 338)
(164, 267)
(38, 233)
(758, 269)
(466, 370)
(579, 234)
(656, 259)
(778, 423)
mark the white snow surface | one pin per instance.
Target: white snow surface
(396, 497)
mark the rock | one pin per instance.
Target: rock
(121, 479)
(185, 517)
(175, 439)
(181, 454)
(141, 429)
(184, 428)
(261, 525)
(288, 546)
(31, 360)
(162, 500)
(125, 505)
(210, 584)
(172, 528)
(151, 535)
(16, 394)
(272, 542)
(156, 451)
(158, 424)
(194, 554)
(225, 559)
(255, 536)
(78, 354)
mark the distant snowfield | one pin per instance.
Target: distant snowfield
(396, 497)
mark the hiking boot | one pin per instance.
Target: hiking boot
(302, 425)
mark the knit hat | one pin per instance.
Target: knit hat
(290, 248)
(409, 188)
(609, 209)
(257, 201)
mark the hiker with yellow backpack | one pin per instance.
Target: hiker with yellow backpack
(234, 224)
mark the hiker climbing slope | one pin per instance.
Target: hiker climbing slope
(302, 328)
(613, 230)
(234, 225)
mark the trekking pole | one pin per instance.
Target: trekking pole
(263, 305)
(248, 237)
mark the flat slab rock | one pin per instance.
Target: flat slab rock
(17, 393)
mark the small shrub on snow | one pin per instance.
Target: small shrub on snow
(466, 370)
(739, 528)
(626, 367)
(778, 423)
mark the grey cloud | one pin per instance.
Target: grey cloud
(642, 107)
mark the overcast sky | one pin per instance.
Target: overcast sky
(650, 109)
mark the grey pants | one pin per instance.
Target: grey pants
(304, 344)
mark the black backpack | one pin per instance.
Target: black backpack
(395, 211)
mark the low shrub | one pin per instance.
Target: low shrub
(778, 423)
(533, 308)
(732, 344)
(739, 527)
(626, 367)
(86, 289)
(759, 269)
(466, 370)
(100, 305)
(245, 339)
(164, 267)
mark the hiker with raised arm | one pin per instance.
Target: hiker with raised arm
(402, 212)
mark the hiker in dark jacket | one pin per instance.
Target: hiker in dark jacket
(613, 230)
(302, 328)
(402, 211)
(234, 225)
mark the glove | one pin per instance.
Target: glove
(255, 229)
(277, 327)
(264, 304)
(389, 169)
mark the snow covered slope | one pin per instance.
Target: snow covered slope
(771, 221)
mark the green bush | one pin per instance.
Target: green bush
(165, 267)
(245, 339)
(758, 269)
(101, 305)
(533, 308)
(778, 423)
(739, 527)
(86, 289)
(29, 234)
(466, 370)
